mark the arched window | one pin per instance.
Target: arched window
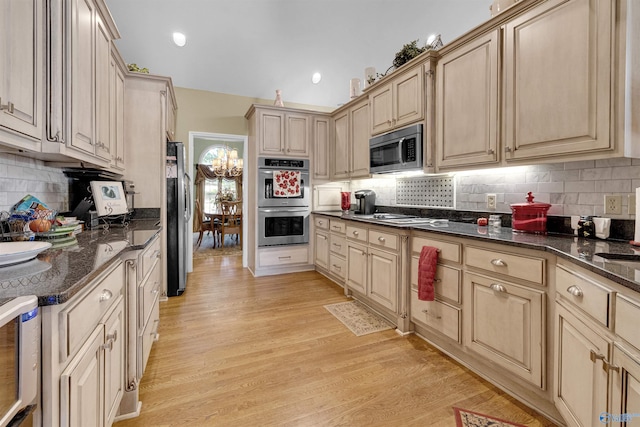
(222, 187)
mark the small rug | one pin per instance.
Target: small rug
(466, 418)
(357, 318)
(206, 249)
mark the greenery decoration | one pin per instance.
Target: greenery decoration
(136, 69)
(407, 53)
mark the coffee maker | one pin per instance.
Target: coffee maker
(366, 202)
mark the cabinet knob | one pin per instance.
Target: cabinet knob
(507, 149)
(575, 291)
(381, 239)
(498, 262)
(106, 295)
(496, 287)
(355, 233)
(8, 106)
(490, 151)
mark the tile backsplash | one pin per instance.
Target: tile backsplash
(20, 176)
(572, 188)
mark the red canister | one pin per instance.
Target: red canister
(529, 217)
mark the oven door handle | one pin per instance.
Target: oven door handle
(271, 210)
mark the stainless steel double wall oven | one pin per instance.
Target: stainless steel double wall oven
(283, 219)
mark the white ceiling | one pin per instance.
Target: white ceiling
(253, 47)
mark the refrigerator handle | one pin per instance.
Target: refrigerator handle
(187, 196)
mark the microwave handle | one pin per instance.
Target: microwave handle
(401, 151)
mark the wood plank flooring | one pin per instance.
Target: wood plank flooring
(235, 350)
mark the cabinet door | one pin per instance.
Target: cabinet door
(114, 364)
(360, 135)
(381, 104)
(271, 128)
(322, 250)
(467, 104)
(504, 322)
(383, 278)
(580, 382)
(321, 132)
(82, 79)
(103, 94)
(21, 66)
(297, 135)
(117, 116)
(357, 267)
(409, 99)
(626, 383)
(340, 143)
(81, 385)
(558, 94)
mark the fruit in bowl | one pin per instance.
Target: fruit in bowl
(40, 225)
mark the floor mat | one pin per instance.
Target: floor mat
(465, 418)
(357, 318)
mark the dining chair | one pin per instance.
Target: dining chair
(231, 220)
(203, 224)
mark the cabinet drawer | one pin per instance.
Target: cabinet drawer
(512, 265)
(437, 315)
(338, 244)
(149, 257)
(148, 336)
(278, 257)
(338, 266)
(588, 295)
(627, 314)
(385, 240)
(321, 223)
(357, 233)
(148, 293)
(81, 317)
(448, 251)
(337, 226)
(447, 282)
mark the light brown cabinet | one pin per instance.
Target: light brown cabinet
(399, 102)
(116, 111)
(350, 144)
(321, 242)
(467, 104)
(22, 69)
(282, 132)
(321, 148)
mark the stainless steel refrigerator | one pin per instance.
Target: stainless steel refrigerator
(178, 216)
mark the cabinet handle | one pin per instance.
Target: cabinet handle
(337, 245)
(285, 257)
(437, 280)
(498, 288)
(320, 222)
(389, 122)
(105, 295)
(108, 345)
(606, 366)
(425, 311)
(381, 239)
(490, 151)
(113, 337)
(595, 356)
(507, 149)
(355, 233)
(156, 254)
(575, 291)
(498, 262)
(8, 106)
(337, 267)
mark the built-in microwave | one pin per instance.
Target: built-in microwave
(19, 355)
(396, 151)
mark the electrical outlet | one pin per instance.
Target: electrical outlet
(613, 204)
(632, 204)
(491, 201)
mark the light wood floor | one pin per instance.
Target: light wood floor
(235, 350)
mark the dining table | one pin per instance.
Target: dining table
(213, 216)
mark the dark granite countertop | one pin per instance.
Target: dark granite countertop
(59, 273)
(580, 251)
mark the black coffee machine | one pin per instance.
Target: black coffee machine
(366, 202)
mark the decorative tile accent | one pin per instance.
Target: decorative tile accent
(433, 191)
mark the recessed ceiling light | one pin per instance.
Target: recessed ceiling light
(179, 39)
(315, 79)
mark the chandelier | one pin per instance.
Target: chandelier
(227, 163)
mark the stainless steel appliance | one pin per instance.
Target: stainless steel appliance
(267, 168)
(396, 151)
(365, 202)
(178, 215)
(19, 355)
(283, 220)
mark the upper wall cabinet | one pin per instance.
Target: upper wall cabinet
(80, 81)
(22, 70)
(557, 79)
(282, 132)
(467, 104)
(321, 141)
(350, 142)
(398, 102)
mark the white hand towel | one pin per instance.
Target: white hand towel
(602, 227)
